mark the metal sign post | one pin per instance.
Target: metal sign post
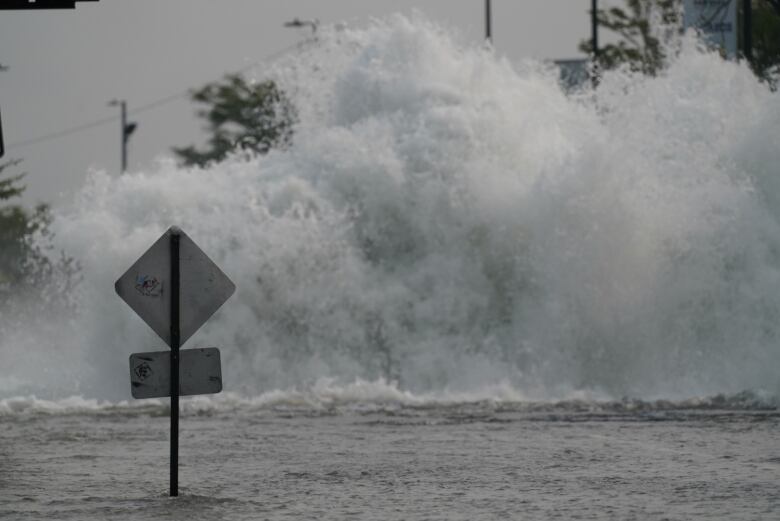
(196, 288)
(175, 344)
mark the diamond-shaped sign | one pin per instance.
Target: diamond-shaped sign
(203, 288)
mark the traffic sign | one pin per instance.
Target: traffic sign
(200, 372)
(145, 287)
(174, 287)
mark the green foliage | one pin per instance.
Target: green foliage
(13, 227)
(254, 117)
(643, 24)
(766, 39)
(774, 4)
(9, 187)
(26, 269)
(31, 279)
(640, 26)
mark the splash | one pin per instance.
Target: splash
(446, 220)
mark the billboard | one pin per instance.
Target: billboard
(716, 20)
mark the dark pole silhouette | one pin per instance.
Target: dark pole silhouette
(594, 27)
(488, 22)
(747, 30)
(594, 23)
(175, 345)
(126, 130)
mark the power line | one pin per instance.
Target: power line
(138, 110)
(160, 102)
(62, 133)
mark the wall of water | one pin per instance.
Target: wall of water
(449, 221)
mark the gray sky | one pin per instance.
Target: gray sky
(66, 65)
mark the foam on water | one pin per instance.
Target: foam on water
(447, 220)
(360, 397)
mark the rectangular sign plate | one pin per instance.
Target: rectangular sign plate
(200, 372)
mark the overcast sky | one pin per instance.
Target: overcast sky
(66, 65)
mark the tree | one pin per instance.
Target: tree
(20, 261)
(13, 227)
(641, 26)
(644, 24)
(14, 224)
(31, 278)
(254, 117)
(766, 39)
(27, 267)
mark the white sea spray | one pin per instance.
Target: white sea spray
(447, 222)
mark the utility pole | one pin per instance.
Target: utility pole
(594, 28)
(488, 22)
(2, 146)
(747, 30)
(126, 129)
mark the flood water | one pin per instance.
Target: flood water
(390, 462)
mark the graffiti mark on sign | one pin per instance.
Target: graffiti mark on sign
(148, 285)
(143, 371)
